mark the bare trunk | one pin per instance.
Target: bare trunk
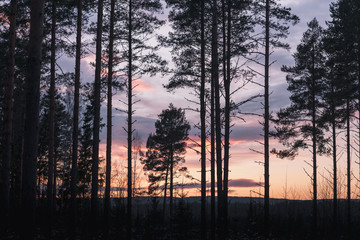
(54, 184)
(227, 111)
(75, 134)
(171, 180)
(203, 125)
(18, 150)
(31, 128)
(215, 76)
(333, 123)
(130, 122)
(52, 115)
(165, 191)
(348, 167)
(314, 149)
(266, 121)
(107, 206)
(212, 116)
(134, 177)
(8, 116)
(96, 125)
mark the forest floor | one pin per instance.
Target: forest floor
(290, 219)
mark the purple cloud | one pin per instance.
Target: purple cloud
(240, 182)
(244, 183)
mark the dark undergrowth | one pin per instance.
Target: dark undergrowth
(289, 220)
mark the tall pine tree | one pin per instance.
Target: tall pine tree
(299, 125)
(28, 199)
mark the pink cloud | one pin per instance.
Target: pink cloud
(142, 86)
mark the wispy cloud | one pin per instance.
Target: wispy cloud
(233, 183)
(142, 86)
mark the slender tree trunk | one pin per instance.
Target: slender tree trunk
(54, 184)
(51, 117)
(212, 162)
(18, 145)
(215, 76)
(62, 193)
(165, 191)
(96, 126)
(31, 128)
(266, 121)
(8, 116)
(224, 65)
(52, 105)
(203, 125)
(171, 180)
(227, 112)
(75, 133)
(213, 152)
(107, 206)
(130, 122)
(314, 148)
(134, 176)
(348, 167)
(333, 123)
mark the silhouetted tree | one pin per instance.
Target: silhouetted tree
(129, 117)
(19, 101)
(85, 150)
(86, 140)
(8, 115)
(333, 115)
(226, 32)
(275, 26)
(156, 168)
(186, 42)
(31, 134)
(51, 129)
(62, 128)
(166, 148)
(75, 133)
(55, 33)
(300, 122)
(96, 123)
(237, 25)
(342, 47)
(109, 118)
(137, 154)
(203, 124)
(138, 23)
(191, 56)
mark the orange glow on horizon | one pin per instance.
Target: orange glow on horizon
(288, 178)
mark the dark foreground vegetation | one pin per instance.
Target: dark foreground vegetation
(289, 220)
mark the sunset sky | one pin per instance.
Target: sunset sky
(246, 172)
